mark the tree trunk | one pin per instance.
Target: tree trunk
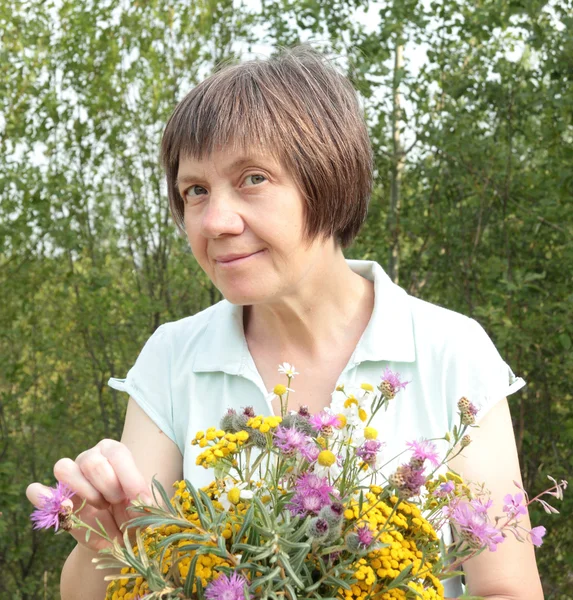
(397, 166)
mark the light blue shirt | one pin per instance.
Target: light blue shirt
(192, 370)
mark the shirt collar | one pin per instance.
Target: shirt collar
(388, 336)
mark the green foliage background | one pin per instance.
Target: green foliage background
(472, 208)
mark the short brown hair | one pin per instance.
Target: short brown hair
(300, 109)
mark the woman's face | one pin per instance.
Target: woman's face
(244, 219)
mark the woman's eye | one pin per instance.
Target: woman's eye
(255, 179)
(194, 191)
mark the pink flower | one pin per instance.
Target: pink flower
(227, 587)
(290, 440)
(311, 494)
(394, 380)
(512, 505)
(480, 506)
(365, 536)
(54, 509)
(424, 450)
(369, 451)
(445, 489)
(474, 528)
(324, 421)
(536, 534)
(408, 480)
(310, 451)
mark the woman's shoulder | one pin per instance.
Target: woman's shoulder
(450, 341)
(432, 322)
(188, 330)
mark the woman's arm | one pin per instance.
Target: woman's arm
(154, 454)
(509, 573)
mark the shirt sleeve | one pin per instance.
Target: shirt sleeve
(479, 372)
(148, 382)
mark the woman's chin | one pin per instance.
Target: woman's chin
(241, 297)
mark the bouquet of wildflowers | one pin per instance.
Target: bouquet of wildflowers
(299, 508)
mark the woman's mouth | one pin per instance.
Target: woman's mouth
(233, 262)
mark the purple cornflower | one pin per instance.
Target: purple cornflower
(480, 506)
(290, 440)
(310, 451)
(394, 380)
(369, 451)
(536, 534)
(512, 505)
(408, 480)
(324, 422)
(365, 536)
(424, 450)
(311, 494)
(474, 528)
(445, 489)
(414, 480)
(54, 509)
(227, 587)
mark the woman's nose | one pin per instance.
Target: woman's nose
(221, 218)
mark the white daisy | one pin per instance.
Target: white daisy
(288, 370)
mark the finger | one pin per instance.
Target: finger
(98, 471)
(68, 472)
(130, 478)
(36, 492)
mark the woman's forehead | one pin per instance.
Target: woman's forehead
(227, 160)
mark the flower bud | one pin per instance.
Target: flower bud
(318, 529)
(465, 441)
(259, 439)
(298, 421)
(387, 389)
(416, 462)
(468, 418)
(332, 514)
(226, 423)
(396, 480)
(464, 404)
(238, 422)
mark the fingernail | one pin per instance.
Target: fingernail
(146, 499)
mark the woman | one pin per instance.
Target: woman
(269, 173)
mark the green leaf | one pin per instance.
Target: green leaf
(188, 587)
(156, 486)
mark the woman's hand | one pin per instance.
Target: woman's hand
(107, 477)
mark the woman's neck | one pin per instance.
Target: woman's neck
(331, 305)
